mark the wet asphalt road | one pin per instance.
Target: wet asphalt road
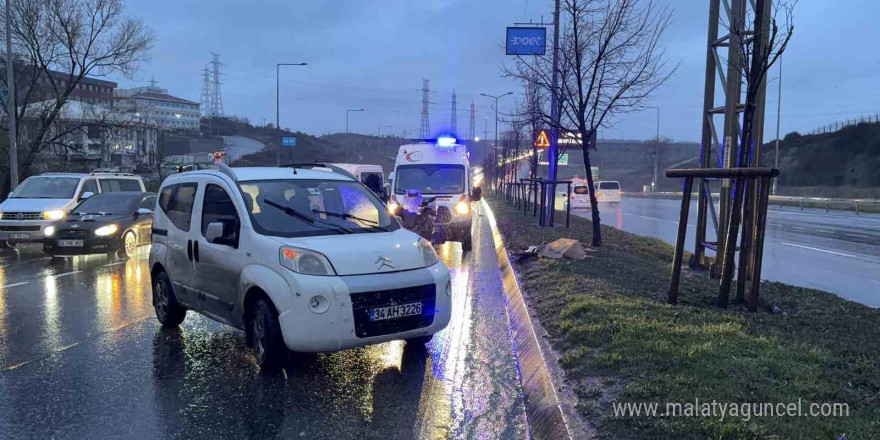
(82, 356)
(837, 251)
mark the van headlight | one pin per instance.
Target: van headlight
(104, 231)
(429, 255)
(305, 261)
(462, 208)
(54, 214)
(49, 231)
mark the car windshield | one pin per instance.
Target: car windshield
(430, 179)
(609, 185)
(47, 187)
(107, 203)
(309, 207)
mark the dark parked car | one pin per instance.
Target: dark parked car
(104, 223)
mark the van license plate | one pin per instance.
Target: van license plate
(19, 236)
(398, 311)
(70, 243)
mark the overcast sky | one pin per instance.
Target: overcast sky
(374, 55)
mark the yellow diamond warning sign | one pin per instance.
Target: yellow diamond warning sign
(542, 141)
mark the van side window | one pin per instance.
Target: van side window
(118, 185)
(177, 203)
(218, 207)
(91, 185)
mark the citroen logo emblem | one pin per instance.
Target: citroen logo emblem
(383, 262)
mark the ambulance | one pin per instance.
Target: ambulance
(440, 171)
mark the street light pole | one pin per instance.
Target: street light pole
(10, 106)
(654, 162)
(377, 143)
(380, 130)
(278, 105)
(495, 145)
(346, 117)
(778, 119)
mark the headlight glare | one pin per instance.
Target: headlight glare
(49, 231)
(305, 261)
(462, 208)
(104, 231)
(54, 214)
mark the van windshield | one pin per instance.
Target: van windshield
(609, 185)
(430, 179)
(308, 207)
(47, 187)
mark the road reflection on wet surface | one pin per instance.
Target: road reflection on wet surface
(82, 356)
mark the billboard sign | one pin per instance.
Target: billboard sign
(288, 141)
(526, 40)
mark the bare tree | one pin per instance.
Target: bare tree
(56, 44)
(610, 61)
(763, 35)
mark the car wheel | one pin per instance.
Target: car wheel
(269, 349)
(421, 340)
(168, 311)
(129, 244)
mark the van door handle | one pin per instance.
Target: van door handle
(196, 251)
(189, 250)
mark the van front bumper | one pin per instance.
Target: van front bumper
(345, 321)
(23, 231)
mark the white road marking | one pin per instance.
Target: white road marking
(15, 284)
(114, 264)
(853, 234)
(655, 218)
(66, 274)
(820, 250)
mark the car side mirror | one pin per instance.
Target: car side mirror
(476, 194)
(86, 195)
(144, 211)
(214, 233)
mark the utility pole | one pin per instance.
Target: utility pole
(453, 125)
(554, 105)
(278, 105)
(346, 117)
(425, 126)
(11, 108)
(495, 145)
(778, 120)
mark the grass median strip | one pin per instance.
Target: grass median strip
(620, 342)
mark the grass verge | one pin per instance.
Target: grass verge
(620, 343)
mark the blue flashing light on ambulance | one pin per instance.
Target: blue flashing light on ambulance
(433, 177)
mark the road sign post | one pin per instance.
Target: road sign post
(289, 141)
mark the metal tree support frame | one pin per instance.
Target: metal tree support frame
(720, 152)
(753, 238)
(537, 192)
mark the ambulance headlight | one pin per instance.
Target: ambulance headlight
(462, 208)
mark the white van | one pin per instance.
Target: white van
(440, 171)
(361, 172)
(608, 191)
(306, 260)
(41, 200)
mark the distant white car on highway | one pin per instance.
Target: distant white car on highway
(41, 200)
(304, 259)
(608, 191)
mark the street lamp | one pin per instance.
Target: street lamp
(654, 162)
(278, 106)
(380, 129)
(495, 145)
(347, 112)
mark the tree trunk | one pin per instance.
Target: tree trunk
(594, 204)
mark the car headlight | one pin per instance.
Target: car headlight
(429, 255)
(106, 230)
(55, 214)
(49, 231)
(462, 208)
(393, 207)
(305, 261)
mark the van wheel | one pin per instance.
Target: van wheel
(421, 340)
(467, 242)
(168, 311)
(269, 349)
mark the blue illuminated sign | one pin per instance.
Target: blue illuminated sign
(288, 141)
(526, 40)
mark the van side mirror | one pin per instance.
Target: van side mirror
(214, 233)
(476, 194)
(144, 211)
(86, 195)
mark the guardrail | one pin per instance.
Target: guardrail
(829, 204)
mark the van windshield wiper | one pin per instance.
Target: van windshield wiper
(371, 223)
(307, 219)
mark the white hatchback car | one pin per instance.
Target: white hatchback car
(303, 260)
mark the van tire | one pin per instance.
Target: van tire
(420, 340)
(269, 348)
(169, 312)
